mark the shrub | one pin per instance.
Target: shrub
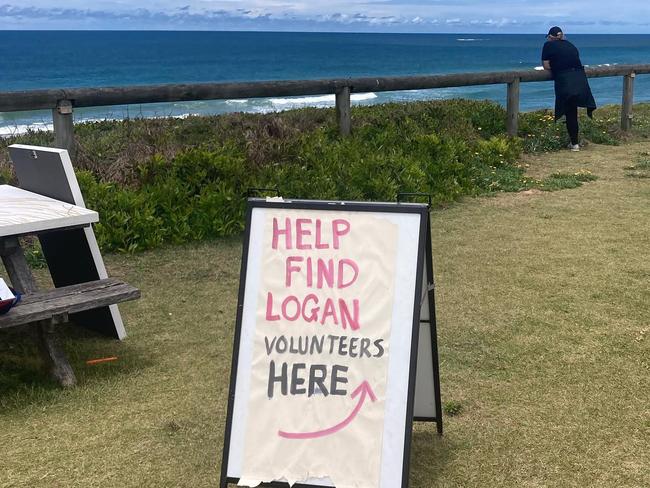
(170, 180)
(198, 193)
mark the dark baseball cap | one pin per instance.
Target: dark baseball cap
(554, 31)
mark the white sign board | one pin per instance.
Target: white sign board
(323, 377)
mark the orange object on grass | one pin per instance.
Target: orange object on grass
(91, 362)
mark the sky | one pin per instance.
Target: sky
(452, 16)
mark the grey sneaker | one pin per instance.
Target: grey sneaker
(574, 147)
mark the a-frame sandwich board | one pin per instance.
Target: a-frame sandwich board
(244, 416)
(72, 255)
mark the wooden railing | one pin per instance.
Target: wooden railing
(63, 101)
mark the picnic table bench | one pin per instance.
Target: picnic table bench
(52, 307)
(57, 304)
(23, 213)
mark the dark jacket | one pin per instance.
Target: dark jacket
(572, 84)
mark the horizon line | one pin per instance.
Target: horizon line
(270, 31)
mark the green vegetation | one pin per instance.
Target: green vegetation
(540, 133)
(452, 408)
(641, 168)
(534, 326)
(543, 306)
(173, 181)
(5, 175)
(561, 181)
(34, 253)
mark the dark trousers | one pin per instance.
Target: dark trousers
(571, 114)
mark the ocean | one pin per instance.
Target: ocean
(53, 59)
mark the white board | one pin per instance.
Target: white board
(286, 425)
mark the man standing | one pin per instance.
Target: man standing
(571, 85)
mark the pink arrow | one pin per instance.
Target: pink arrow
(364, 388)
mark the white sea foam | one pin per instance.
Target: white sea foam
(115, 119)
(470, 39)
(315, 100)
(14, 130)
(540, 68)
(18, 129)
(319, 100)
(362, 96)
(237, 101)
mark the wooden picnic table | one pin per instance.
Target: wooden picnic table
(24, 213)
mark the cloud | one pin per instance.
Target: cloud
(182, 14)
(362, 15)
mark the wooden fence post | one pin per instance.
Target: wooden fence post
(512, 122)
(343, 115)
(63, 126)
(628, 100)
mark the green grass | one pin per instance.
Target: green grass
(641, 167)
(562, 181)
(543, 306)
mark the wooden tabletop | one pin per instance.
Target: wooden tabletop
(23, 212)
